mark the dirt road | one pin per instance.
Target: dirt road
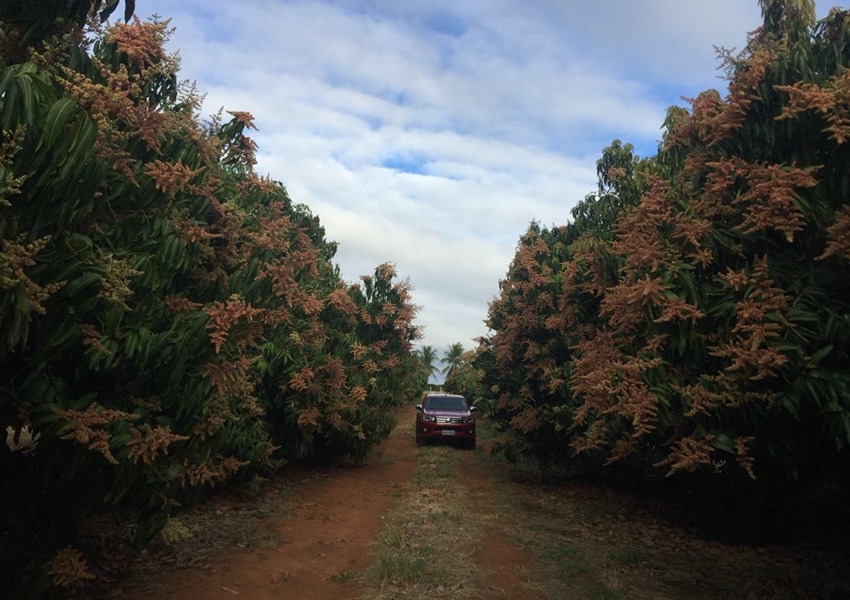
(336, 515)
(441, 522)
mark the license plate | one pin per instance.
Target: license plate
(448, 431)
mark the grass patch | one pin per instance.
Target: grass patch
(594, 514)
(281, 577)
(629, 556)
(391, 536)
(442, 515)
(423, 550)
(566, 560)
(398, 568)
(606, 593)
(343, 576)
(561, 551)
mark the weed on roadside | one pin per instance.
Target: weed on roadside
(629, 556)
(610, 588)
(400, 567)
(343, 576)
(281, 577)
(391, 536)
(565, 558)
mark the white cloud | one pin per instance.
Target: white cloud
(501, 108)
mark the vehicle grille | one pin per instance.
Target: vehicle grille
(449, 420)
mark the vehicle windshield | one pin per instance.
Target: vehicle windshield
(445, 403)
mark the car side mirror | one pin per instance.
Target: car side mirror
(473, 408)
(418, 407)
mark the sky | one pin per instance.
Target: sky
(430, 134)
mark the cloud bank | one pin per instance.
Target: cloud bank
(430, 134)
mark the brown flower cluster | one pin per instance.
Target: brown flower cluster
(691, 232)
(331, 375)
(146, 445)
(742, 455)
(224, 316)
(831, 101)
(114, 280)
(112, 104)
(91, 338)
(178, 304)
(838, 243)
(15, 257)
(638, 237)
(389, 363)
(88, 427)
(215, 470)
(69, 569)
(10, 145)
(340, 300)
(169, 177)
(308, 417)
(243, 117)
(358, 350)
(385, 272)
(675, 308)
(302, 380)
(357, 394)
(277, 234)
(233, 383)
(713, 119)
(699, 399)
(689, 454)
(624, 303)
(142, 42)
(760, 318)
(770, 197)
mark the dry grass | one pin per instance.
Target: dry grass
(439, 520)
(599, 543)
(424, 549)
(227, 521)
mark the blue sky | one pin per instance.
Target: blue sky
(429, 134)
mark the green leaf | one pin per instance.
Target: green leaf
(6, 79)
(28, 68)
(818, 356)
(82, 282)
(110, 7)
(56, 118)
(63, 334)
(29, 97)
(83, 138)
(723, 442)
(9, 105)
(120, 440)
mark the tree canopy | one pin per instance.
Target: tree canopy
(170, 320)
(694, 314)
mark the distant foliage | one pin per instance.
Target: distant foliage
(170, 320)
(465, 377)
(695, 314)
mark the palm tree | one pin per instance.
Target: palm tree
(452, 358)
(428, 356)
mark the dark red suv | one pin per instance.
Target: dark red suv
(445, 417)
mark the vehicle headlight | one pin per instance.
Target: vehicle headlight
(468, 419)
(429, 419)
